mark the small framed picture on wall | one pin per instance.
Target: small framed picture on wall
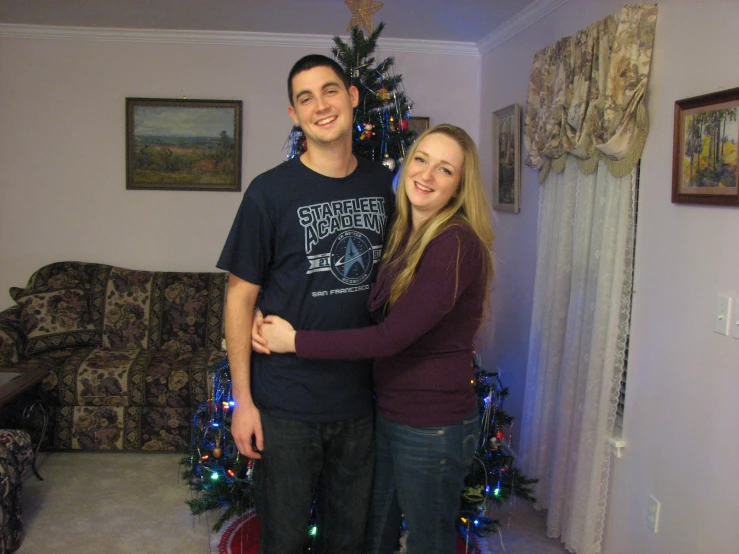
(418, 125)
(704, 156)
(507, 159)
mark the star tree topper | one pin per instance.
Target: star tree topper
(362, 12)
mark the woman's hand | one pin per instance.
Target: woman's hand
(279, 333)
(258, 342)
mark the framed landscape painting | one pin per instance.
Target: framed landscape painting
(704, 156)
(507, 159)
(179, 144)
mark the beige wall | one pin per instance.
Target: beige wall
(681, 409)
(62, 143)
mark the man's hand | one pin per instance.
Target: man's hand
(258, 342)
(246, 428)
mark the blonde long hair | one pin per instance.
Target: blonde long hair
(469, 207)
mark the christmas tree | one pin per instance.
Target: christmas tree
(493, 476)
(215, 471)
(381, 119)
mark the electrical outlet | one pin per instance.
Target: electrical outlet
(653, 514)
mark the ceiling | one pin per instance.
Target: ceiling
(436, 20)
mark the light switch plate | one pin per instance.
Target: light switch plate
(734, 320)
(723, 312)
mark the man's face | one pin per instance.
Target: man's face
(322, 105)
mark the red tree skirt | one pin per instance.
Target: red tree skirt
(242, 537)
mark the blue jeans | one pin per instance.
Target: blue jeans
(420, 473)
(331, 461)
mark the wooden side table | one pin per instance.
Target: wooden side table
(15, 383)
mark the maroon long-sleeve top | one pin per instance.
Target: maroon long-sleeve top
(422, 372)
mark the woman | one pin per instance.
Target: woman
(428, 303)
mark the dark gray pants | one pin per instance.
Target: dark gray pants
(329, 461)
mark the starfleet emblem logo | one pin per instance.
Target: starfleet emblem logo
(352, 258)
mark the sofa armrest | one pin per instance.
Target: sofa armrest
(11, 336)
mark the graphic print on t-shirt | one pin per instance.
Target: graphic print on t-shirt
(352, 256)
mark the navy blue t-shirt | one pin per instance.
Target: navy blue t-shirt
(313, 244)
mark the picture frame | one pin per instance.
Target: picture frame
(704, 154)
(181, 144)
(418, 124)
(507, 159)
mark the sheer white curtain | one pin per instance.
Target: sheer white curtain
(576, 349)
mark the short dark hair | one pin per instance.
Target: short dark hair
(309, 62)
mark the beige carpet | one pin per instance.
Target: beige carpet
(131, 503)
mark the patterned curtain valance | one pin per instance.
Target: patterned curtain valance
(586, 95)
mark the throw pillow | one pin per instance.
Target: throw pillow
(17, 293)
(57, 319)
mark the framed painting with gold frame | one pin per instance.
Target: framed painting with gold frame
(180, 144)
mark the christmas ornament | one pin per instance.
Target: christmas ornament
(391, 124)
(295, 145)
(404, 124)
(388, 162)
(217, 452)
(362, 12)
(474, 494)
(383, 94)
(366, 131)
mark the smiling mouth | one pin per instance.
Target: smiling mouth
(326, 121)
(422, 188)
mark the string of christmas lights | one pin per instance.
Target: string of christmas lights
(221, 478)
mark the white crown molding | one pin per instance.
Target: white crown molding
(528, 16)
(430, 46)
(10, 30)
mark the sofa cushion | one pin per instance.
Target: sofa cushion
(170, 310)
(121, 428)
(56, 319)
(129, 399)
(130, 377)
(128, 302)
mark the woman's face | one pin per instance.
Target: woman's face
(433, 175)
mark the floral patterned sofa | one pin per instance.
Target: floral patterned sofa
(128, 351)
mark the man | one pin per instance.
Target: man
(309, 234)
